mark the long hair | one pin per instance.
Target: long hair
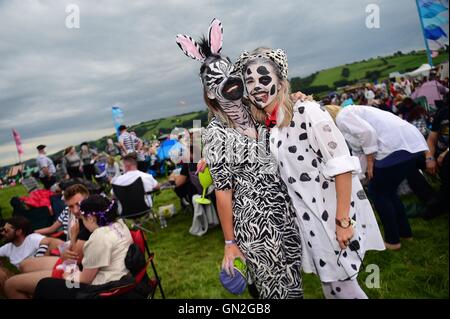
(285, 103)
(215, 110)
(212, 104)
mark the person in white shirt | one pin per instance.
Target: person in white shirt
(368, 94)
(22, 243)
(104, 253)
(390, 146)
(22, 286)
(132, 174)
(406, 86)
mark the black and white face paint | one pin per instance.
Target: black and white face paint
(219, 81)
(262, 83)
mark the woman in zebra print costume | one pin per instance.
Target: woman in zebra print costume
(257, 218)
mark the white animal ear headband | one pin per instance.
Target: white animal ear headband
(193, 50)
(278, 56)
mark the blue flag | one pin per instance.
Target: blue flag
(434, 22)
(117, 115)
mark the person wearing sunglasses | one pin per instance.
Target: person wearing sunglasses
(21, 243)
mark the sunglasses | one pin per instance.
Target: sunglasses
(5, 230)
(354, 246)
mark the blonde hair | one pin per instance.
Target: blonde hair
(333, 110)
(111, 160)
(215, 110)
(285, 103)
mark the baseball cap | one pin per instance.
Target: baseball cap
(41, 147)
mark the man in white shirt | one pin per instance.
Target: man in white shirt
(22, 286)
(22, 243)
(46, 167)
(132, 174)
(368, 94)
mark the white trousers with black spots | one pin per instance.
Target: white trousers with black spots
(348, 289)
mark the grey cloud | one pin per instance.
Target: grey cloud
(56, 80)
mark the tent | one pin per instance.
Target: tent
(395, 75)
(169, 149)
(16, 170)
(423, 70)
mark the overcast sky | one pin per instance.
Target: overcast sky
(57, 85)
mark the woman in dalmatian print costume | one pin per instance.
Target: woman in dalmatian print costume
(256, 215)
(337, 223)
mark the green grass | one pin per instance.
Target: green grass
(6, 195)
(189, 265)
(358, 70)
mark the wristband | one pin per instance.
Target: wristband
(430, 158)
(230, 242)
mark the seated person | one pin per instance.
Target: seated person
(104, 252)
(186, 183)
(61, 222)
(21, 244)
(132, 174)
(34, 269)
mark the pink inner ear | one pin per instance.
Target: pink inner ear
(215, 36)
(189, 48)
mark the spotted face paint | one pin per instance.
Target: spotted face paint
(219, 80)
(262, 83)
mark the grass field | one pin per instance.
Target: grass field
(358, 70)
(189, 265)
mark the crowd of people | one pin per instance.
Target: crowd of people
(299, 204)
(390, 94)
(292, 180)
(90, 255)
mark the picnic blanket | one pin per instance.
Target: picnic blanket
(38, 198)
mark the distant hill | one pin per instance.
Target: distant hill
(148, 130)
(319, 83)
(369, 70)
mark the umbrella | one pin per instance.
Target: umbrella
(167, 148)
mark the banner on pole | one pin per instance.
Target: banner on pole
(117, 115)
(18, 141)
(433, 16)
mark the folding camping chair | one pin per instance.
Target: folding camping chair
(30, 184)
(134, 207)
(141, 242)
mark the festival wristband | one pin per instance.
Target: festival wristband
(230, 242)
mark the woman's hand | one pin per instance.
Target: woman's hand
(441, 157)
(231, 252)
(201, 165)
(344, 235)
(431, 166)
(69, 255)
